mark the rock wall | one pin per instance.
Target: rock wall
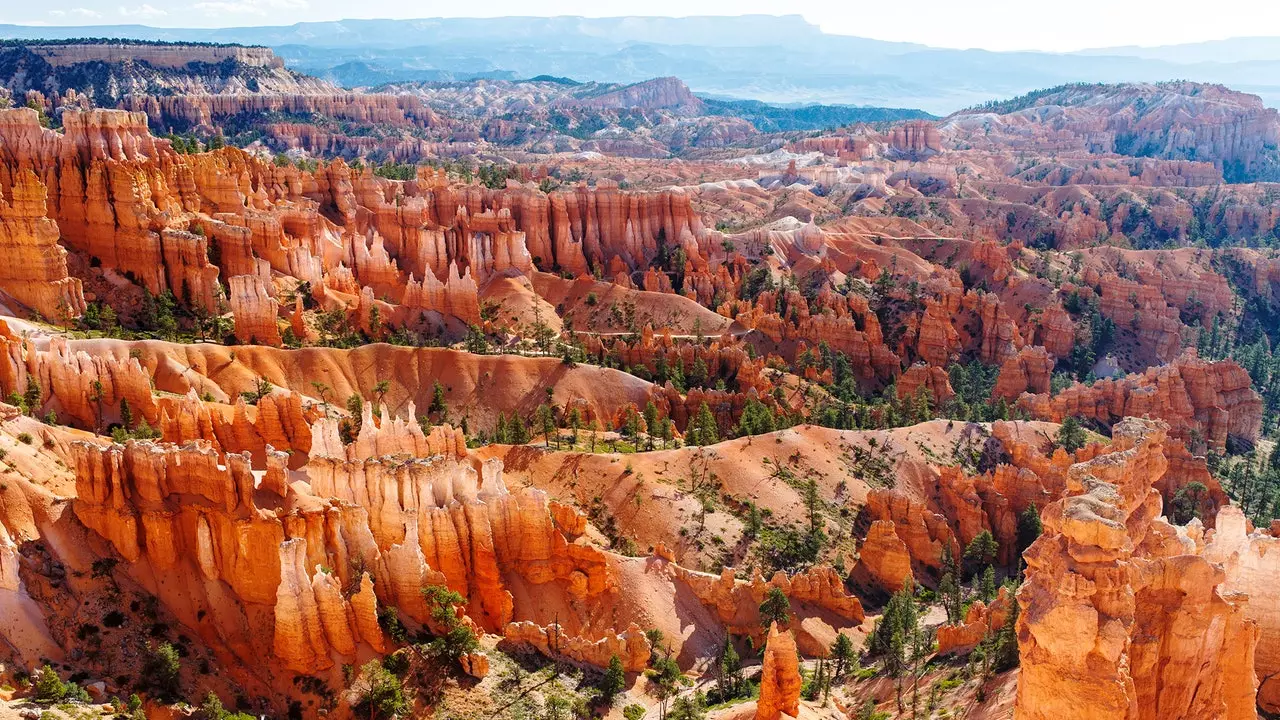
(1121, 617)
(1211, 400)
(35, 269)
(1252, 564)
(309, 556)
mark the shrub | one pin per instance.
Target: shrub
(162, 671)
(381, 696)
(47, 686)
(24, 438)
(454, 639)
(397, 663)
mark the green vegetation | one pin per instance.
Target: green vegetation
(47, 687)
(452, 638)
(775, 608)
(1071, 435)
(381, 694)
(212, 709)
(161, 671)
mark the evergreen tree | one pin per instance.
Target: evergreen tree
(756, 419)
(1029, 527)
(614, 680)
(652, 425)
(703, 430)
(730, 671)
(949, 594)
(813, 505)
(31, 397)
(843, 653)
(546, 420)
(1006, 644)
(517, 431)
(1071, 435)
(438, 405)
(982, 551)
(988, 584)
(775, 608)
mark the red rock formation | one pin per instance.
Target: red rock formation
(1119, 615)
(1251, 561)
(779, 677)
(1166, 120)
(934, 379)
(255, 311)
(915, 139)
(736, 602)
(979, 622)
(138, 497)
(1210, 400)
(35, 269)
(631, 646)
(922, 536)
(1028, 371)
(884, 558)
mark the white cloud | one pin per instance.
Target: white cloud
(143, 11)
(248, 7)
(76, 13)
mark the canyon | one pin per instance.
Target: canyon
(613, 382)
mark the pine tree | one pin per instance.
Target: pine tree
(126, 414)
(775, 608)
(651, 422)
(982, 551)
(517, 431)
(1029, 527)
(730, 671)
(546, 420)
(949, 593)
(614, 680)
(438, 405)
(844, 654)
(1006, 645)
(704, 430)
(1071, 435)
(756, 419)
(500, 435)
(813, 504)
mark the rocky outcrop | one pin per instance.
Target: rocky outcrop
(631, 646)
(736, 602)
(1028, 371)
(979, 622)
(780, 679)
(1208, 400)
(310, 556)
(904, 534)
(84, 389)
(884, 558)
(1251, 561)
(255, 311)
(35, 269)
(932, 379)
(1120, 616)
(1174, 120)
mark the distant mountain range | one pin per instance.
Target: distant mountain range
(772, 59)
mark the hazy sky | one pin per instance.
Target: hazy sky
(991, 24)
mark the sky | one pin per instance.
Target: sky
(988, 24)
